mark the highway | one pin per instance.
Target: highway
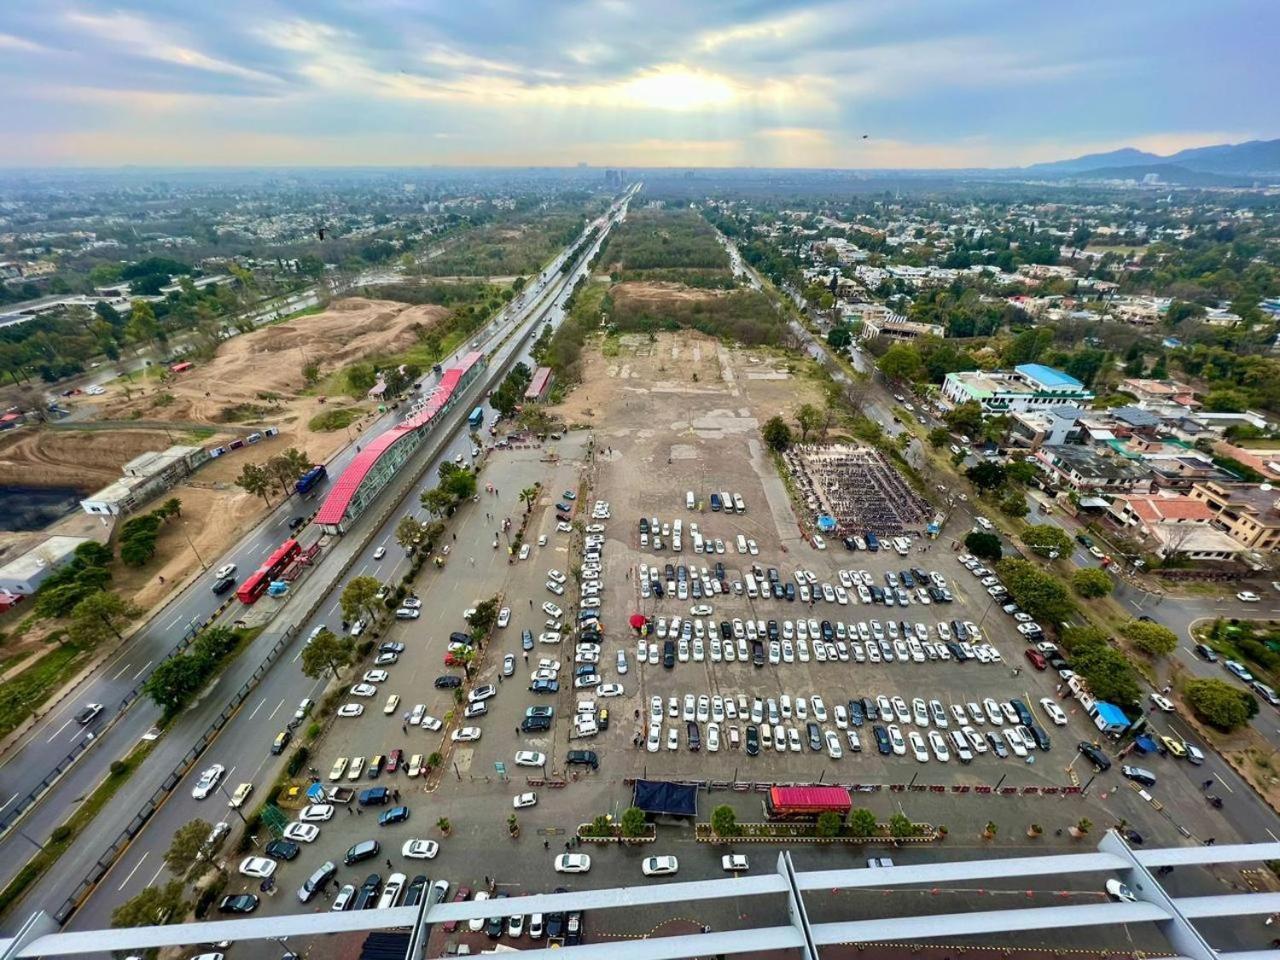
(243, 747)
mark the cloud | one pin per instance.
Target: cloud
(22, 45)
(772, 30)
(141, 37)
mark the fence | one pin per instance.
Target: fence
(148, 809)
(999, 789)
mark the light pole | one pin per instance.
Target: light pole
(203, 566)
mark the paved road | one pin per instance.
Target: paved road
(243, 745)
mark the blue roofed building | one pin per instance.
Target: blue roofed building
(1108, 718)
(1030, 386)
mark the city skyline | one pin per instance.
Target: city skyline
(802, 84)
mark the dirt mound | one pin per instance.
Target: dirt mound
(254, 377)
(660, 291)
(84, 459)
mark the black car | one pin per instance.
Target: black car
(573, 929)
(882, 740)
(555, 921)
(1206, 653)
(390, 646)
(374, 795)
(282, 849)
(669, 654)
(367, 895)
(849, 544)
(908, 580)
(364, 850)
(448, 682)
(719, 570)
(753, 740)
(415, 891)
(855, 713)
(495, 926)
(1101, 762)
(771, 630)
(238, 903)
(778, 591)
(757, 653)
(296, 522)
(659, 590)
(815, 737)
(726, 630)
(535, 724)
(223, 584)
(997, 745)
(789, 591)
(393, 816)
(694, 736)
(957, 651)
(88, 714)
(870, 710)
(1041, 738)
(1024, 715)
(583, 758)
(877, 595)
(1057, 662)
(644, 525)
(670, 571)
(828, 632)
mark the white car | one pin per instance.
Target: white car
(351, 710)
(420, 849)
(504, 616)
(549, 636)
(316, 813)
(622, 662)
(522, 800)
(364, 690)
(465, 735)
(431, 723)
(572, 863)
(1054, 711)
(1164, 703)
(834, 750)
(734, 862)
(610, 690)
(918, 747)
(555, 588)
(260, 867)
(659, 866)
(551, 610)
(208, 781)
(701, 610)
(226, 570)
(556, 576)
(379, 553)
(531, 758)
(524, 551)
(302, 832)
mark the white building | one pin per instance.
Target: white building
(24, 574)
(1031, 386)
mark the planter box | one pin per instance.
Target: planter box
(805, 833)
(617, 837)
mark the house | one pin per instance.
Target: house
(1086, 471)
(1248, 512)
(1052, 427)
(894, 326)
(1175, 525)
(1159, 392)
(1031, 386)
(23, 575)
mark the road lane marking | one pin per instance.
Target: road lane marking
(126, 880)
(173, 623)
(58, 732)
(143, 669)
(155, 876)
(7, 802)
(122, 672)
(1271, 835)
(1224, 783)
(260, 705)
(273, 713)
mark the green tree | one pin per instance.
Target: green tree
(1083, 638)
(900, 826)
(939, 437)
(1220, 704)
(1014, 504)
(862, 822)
(153, 906)
(1040, 594)
(724, 822)
(984, 546)
(1153, 639)
(409, 533)
(328, 651)
(175, 681)
(142, 326)
(776, 433)
(986, 475)
(186, 846)
(99, 616)
(436, 501)
(809, 418)
(461, 484)
(902, 362)
(255, 480)
(828, 824)
(172, 507)
(1226, 400)
(839, 338)
(1045, 538)
(485, 617)
(359, 598)
(1091, 582)
(633, 822)
(527, 496)
(965, 418)
(1108, 672)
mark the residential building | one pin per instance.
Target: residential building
(1053, 427)
(1087, 470)
(894, 326)
(23, 575)
(1248, 512)
(145, 477)
(1031, 386)
(1160, 392)
(1175, 525)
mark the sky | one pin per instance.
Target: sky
(849, 83)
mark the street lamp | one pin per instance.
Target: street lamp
(203, 566)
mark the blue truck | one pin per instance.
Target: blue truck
(311, 478)
(476, 418)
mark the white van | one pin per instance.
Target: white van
(697, 543)
(689, 501)
(752, 590)
(742, 544)
(738, 505)
(727, 499)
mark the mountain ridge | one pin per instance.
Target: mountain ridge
(1260, 158)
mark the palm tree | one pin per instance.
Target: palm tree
(528, 495)
(172, 507)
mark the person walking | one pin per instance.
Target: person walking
(389, 863)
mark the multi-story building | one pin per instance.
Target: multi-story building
(1031, 386)
(1086, 471)
(1249, 512)
(1175, 525)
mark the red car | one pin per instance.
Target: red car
(1037, 659)
(394, 759)
(464, 893)
(451, 661)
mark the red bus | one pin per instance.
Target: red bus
(805, 803)
(255, 585)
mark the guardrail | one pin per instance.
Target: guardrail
(148, 809)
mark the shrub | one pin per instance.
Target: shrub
(1151, 638)
(724, 822)
(900, 826)
(1220, 704)
(298, 761)
(862, 822)
(60, 833)
(1091, 582)
(633, 822)
(828, 824)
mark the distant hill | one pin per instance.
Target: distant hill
(1223, 163)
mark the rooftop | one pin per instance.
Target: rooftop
(49, 553)
(1048, 376)
(1165, 509)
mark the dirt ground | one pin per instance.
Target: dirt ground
(651, 292)
(84, 459)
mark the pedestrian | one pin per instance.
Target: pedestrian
(455, 536)
(1210, 842)
(162, 579)
(1206, 785)
(396, 795)
(1167, 688)
(389, 863)
(499, 678)
(359, 812)
(546, 844)
(566, 844)
(486, 881)
(531, 603)
(526, 656)
(517, 731)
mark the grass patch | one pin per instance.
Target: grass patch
(22, 694)
(200, 434)
(335, 418)
(611, 347)
(67, 832)
(241, 413)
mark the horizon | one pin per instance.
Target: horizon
(844, 85)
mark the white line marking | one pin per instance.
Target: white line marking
(126, 880)
(143, 669)
(1224, 783)
(257, 708)
(155, 876)
(1271, 835)
(7, 802)
(122, 672)
(57, 732)
(276, 710)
